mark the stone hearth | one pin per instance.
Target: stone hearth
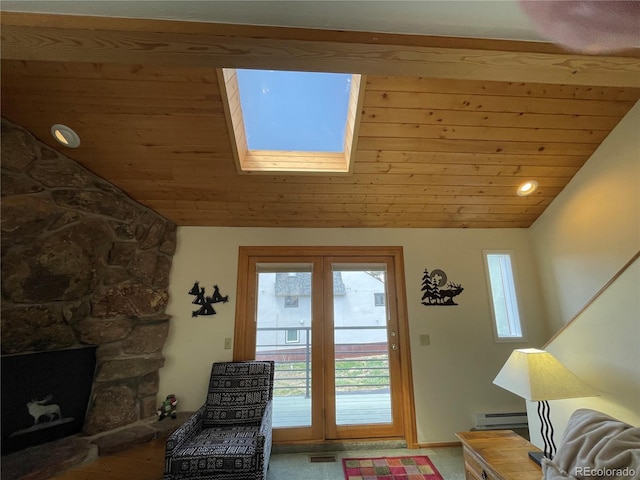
(37, 463)
(83, 264)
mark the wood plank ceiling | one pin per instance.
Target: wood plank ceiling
(438, 146)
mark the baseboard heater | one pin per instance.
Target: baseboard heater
(501, 421)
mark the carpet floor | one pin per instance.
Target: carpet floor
(146, 462)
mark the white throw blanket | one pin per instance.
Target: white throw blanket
(596, 447)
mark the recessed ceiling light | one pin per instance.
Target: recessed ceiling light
(65, 136)
(527, 188)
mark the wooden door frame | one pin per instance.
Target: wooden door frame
(242, 343)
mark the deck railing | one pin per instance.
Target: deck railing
(358, 366)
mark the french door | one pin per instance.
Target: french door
(331, 321)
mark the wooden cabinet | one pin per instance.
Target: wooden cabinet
(498, 455)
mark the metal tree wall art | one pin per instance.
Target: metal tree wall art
(437, 291)
(206, 302)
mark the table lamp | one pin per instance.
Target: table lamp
(538, 376)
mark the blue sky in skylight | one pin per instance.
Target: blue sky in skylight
(302, 111)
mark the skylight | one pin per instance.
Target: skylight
(304, 111)
(291, 121)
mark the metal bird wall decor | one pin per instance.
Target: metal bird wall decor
(205, 302)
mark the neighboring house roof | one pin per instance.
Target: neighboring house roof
(299, 284)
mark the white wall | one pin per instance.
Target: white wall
(452, 376)
(581, 241)
(602, 347)
(592, 228)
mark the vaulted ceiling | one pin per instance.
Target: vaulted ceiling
(449, 127)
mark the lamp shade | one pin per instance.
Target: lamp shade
(537, 376)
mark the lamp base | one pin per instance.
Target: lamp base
(536, 457)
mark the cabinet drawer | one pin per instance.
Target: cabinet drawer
(498, 455)
(476, 467)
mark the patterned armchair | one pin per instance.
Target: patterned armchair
(229, 437)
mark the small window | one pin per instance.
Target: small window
(292, 335)
(378, 299)
(504, 301)
(291, 301)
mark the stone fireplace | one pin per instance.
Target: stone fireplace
(83, 264)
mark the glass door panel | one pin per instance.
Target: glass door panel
(361, 353)
(283, 334)
(364, 394)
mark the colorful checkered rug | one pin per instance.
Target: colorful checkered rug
(390, 468)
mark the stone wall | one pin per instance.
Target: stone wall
(83, 264)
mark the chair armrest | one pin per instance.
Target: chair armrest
(265, 439)
(265, 425)
(191, 427)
